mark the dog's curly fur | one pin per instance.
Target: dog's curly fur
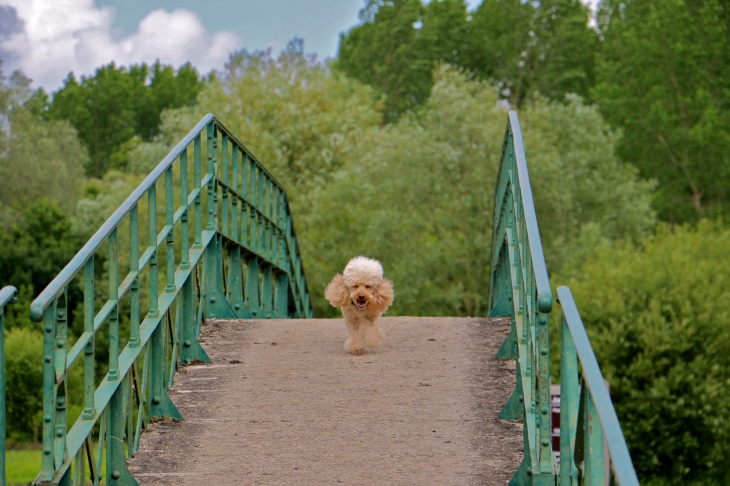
(363, 295)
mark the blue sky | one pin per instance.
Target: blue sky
(259, 23)
(47, 39)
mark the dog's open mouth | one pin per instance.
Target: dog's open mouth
(361, 302)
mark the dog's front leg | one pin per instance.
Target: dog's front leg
(354, 344)
(372, 334)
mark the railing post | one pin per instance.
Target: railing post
(8, 295)
(568, 407)
(89, 349)
(3, 421)
(595, 465)
(61, 387)
(49, 392)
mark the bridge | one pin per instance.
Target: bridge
(216, 373)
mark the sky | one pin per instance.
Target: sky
(47, 39)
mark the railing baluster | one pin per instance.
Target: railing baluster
(568, 406)
(114, 315)
(224, 179)
(152, 245)
(170, 239)
(253, 212)
(245, 195)
(198, 210)
(236, 189)
(262, 226)
(89, 385)
(49, 395)
(134, 269)
(211, 148)
(184, 195)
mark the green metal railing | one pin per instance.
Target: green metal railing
(244, 263)
(520, 289)
(8, 295)
(584, 403)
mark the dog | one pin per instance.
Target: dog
(363, 295)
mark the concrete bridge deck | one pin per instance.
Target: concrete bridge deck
(283, 403)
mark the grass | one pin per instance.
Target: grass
(22, 465)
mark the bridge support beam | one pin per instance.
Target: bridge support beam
(216, 305)
(235, 284)
(513, 409)
(252, 287)
(191, 349)
(161, 405)
(117, 473)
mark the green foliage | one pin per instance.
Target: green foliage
(292, 112)
(38, 158)
(530, 47)
(118, 103)
(24, 382)
(658, 320)
(525, 47)
(33, 252)
(418, 195)
(662, 76)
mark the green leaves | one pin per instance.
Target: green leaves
(524, 47)
(118, 103)
(658, 320)
(662, 76)
(418, 195)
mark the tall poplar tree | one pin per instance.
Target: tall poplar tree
(663, 76)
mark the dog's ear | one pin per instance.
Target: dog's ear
(336, 292)
(383, 295)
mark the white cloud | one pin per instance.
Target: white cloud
(59, 36)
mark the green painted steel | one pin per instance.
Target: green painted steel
(8, 295)
(237, 258)
(596, 409)
(520, 289)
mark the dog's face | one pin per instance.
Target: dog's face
(361, 294)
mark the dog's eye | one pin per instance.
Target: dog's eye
(367, 287)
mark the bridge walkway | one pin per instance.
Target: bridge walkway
(282, 403)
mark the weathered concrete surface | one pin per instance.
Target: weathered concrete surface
(420, 410)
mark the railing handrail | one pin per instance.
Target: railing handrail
(622, 465)
(542, 281)
(53, 289)
(248, 224)
(7, 295)
(73, 267)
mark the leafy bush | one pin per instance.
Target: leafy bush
(658, 317)
(418, 195)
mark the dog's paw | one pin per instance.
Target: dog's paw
(373, 336)
(354, 347)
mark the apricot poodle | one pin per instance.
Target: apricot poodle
(363, 295)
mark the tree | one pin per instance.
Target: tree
(662, 77)
(38, 158)
(118, 103)
(397, 44)
(657, 316)
(524, 47)
(418, 195)
(292, 112)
